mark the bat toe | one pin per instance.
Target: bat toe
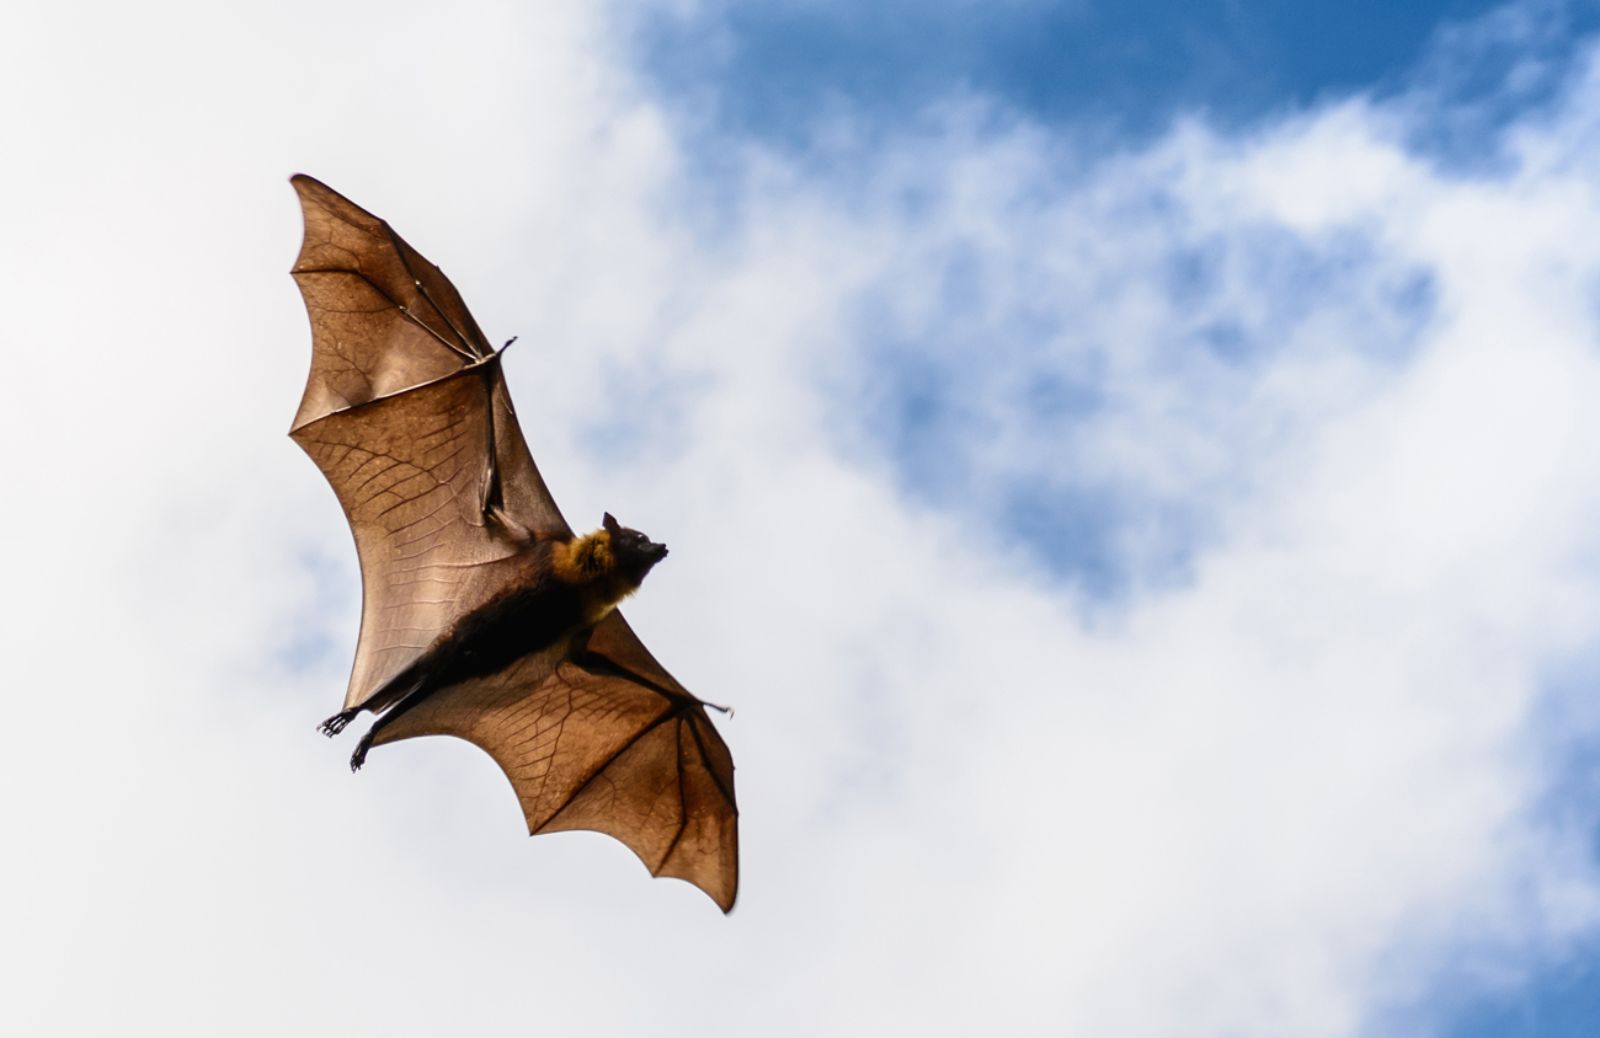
(359, 757)
(336, 724)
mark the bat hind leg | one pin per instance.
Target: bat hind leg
(404, 703)
(336, 724)
(359, 757)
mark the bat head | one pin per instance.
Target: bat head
(635, 553)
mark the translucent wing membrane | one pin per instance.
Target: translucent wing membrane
(589, 745)
(383, 318)
(409, 471)
(407, 414)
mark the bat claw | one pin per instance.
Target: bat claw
(359, 757)
(336, 724)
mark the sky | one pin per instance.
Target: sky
(1130, 467)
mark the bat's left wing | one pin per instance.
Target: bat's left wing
(604, 740)
(407, 414)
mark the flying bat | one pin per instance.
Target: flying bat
(484, 616)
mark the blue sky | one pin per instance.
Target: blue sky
(770, 70)
(1108, 78)
(1115, 76)
(1177, 425)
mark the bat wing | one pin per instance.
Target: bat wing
(407, 414)
(605, 740)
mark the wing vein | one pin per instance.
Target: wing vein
(400, 250)
(683, 812)
(600, 769)
(705, 758)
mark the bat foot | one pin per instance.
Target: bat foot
(336, 724)
(359, 757)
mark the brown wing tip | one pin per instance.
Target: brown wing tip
(722, 889)
(716, 878)
(727, 900)
(724, 900)
(309, 187)
(314, 192)
(315, 196)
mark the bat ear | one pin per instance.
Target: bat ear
(610, 524)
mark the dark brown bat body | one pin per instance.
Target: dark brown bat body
(484, 617)
(525, 620)
(560, 590)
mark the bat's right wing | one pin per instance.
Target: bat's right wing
(605, 741)
(407, 414)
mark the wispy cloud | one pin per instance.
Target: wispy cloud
(1147, 578)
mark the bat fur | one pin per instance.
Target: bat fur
(484, 615)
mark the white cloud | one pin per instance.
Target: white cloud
(1273, 795)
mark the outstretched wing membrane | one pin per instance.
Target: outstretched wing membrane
(383, 319)
(591, 743)
(407, 414)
